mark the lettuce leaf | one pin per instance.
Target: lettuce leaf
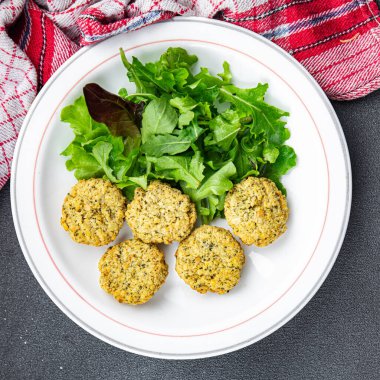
(159, 117)
(123, 117)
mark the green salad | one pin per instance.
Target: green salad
(193, 129)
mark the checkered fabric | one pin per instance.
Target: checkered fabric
(338, 41)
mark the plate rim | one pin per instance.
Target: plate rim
(236, 346)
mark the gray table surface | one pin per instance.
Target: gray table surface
(336, 336)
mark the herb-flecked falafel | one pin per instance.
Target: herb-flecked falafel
(161, 214)
(132, 271)
(210, 259)
(257, 211)
(93, 212)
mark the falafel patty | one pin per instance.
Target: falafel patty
(257, 211)
(132, 271)
(93, 212)
(210, 259)
(161, 214)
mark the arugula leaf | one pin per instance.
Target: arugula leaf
(141, 181)
(131, 184)
(224, 129)
(201, 91)
(183, 104)
(211, 208)
(286, 160)
(145, 76)
(245, 164)
(181, 168)
(132, 75)
(185, 118)
(212, 191)
(249, 102)
(206, 78)
(158, 145)
(217, 183)
(123, 165)
(159, 117)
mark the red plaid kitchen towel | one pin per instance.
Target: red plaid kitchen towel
(338, 41)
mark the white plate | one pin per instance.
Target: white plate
(277, 281)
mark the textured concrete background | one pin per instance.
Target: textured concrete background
(336, 336)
